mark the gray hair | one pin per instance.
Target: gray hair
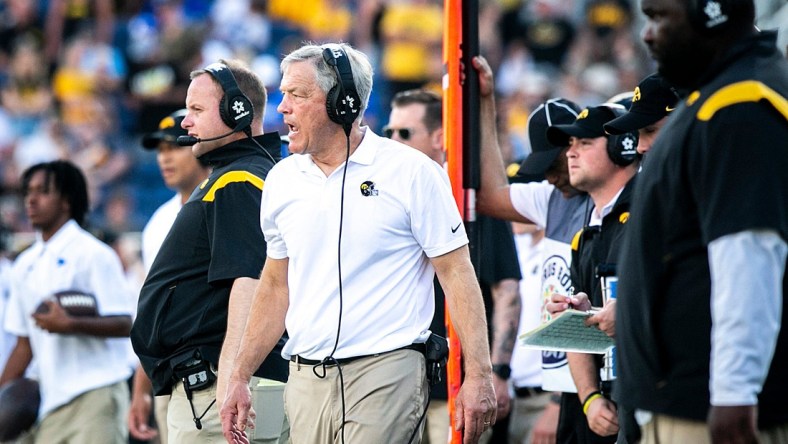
(326, 77)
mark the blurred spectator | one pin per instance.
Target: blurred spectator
(68, 18)
(26, 94)
(163, 49)
(19, 19)
(242, 24)
(8, 174)
(489, 36)
(412, 39)
(318, 20)
(119, 213)
(543, 28)
(89, 73)
(606, 36)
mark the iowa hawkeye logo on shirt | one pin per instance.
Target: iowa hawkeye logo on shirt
(368, 189)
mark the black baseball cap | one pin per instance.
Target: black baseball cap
(588, 125)
(169, 130)
(543, 152)
(653, 99)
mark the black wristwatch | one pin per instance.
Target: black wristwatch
(502, 370)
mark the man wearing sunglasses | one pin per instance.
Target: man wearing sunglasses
(416, 120)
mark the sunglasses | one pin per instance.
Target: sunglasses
(404, 133)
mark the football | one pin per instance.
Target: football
(76, 303)
(19, 402)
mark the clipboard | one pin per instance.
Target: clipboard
(568, 333)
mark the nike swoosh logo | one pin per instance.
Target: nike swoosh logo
(454, 230)
(669, 109)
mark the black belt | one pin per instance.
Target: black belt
(527, 392)
(421, 348)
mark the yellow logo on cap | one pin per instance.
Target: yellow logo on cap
(583, 114)
(636, 96)
(693, 98)
(167, 122)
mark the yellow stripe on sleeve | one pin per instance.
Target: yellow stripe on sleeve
(576, 240)
(230, 177)
(740, 92)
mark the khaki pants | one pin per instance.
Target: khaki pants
(384, 397)
(94, 417)
(664, 429)
(270, 427)
(525, 412)
(160, 406)
(438, 425)
(181, 428)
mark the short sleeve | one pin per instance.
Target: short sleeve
(237, 244)
(531, 200)
(275, 245)
(435, 220)
(108, 284)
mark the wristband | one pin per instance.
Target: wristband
(589, 399)
(502, 370)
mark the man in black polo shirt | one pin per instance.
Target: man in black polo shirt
(194, 303)
(702, 283)
(604, 166)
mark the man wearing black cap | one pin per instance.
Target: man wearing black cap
(653, 101)
(554, 205)
(603, 166)
(181, 172)
(702, 289)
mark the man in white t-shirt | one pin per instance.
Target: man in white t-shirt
(528, 405)
(553, 204)
(356, 226)
(81, 360)
(181, 172)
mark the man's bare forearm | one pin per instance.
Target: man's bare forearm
(466, 308)
(505, 319)
(238, 309)
(266, 322)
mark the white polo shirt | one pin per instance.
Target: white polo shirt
(70, 365)
(157, 228)
(398, 213)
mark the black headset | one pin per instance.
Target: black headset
(235, 108)
(622, 148)
(343, 103)
(710, 16)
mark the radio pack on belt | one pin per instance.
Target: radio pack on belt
(196, 374)
(436, 354)
(193, 370)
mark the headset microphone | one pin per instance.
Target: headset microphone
(191, 140)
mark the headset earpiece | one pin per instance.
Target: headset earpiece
(622, 148)
(235, 108)
(709, 16)
(343, 103)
